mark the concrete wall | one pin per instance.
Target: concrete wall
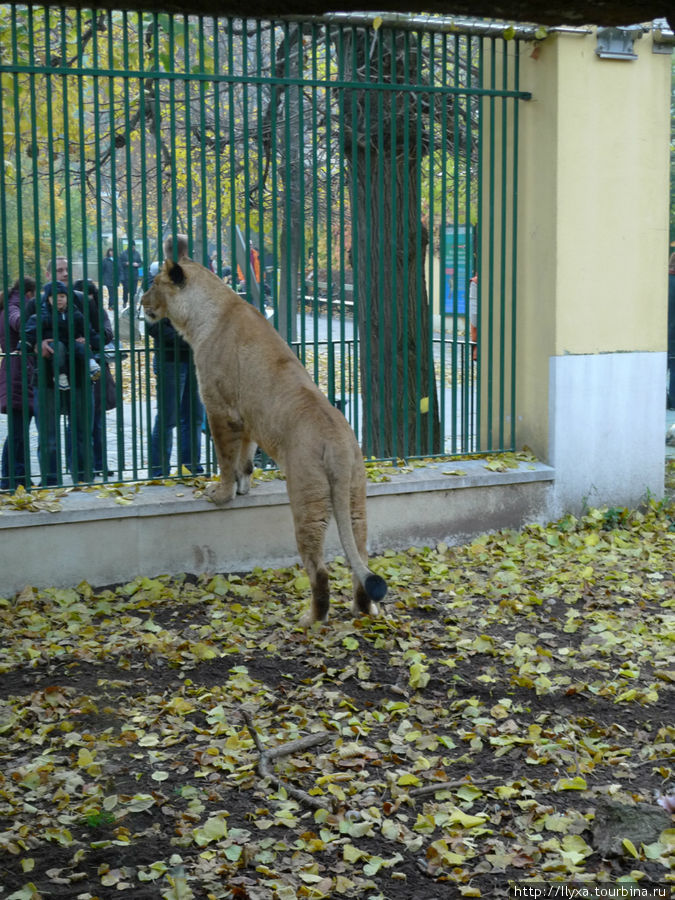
(593, 245)
(169, 530)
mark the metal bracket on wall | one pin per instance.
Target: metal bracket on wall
(617, 43)
(663, 39)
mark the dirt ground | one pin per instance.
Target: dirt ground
(507, 720)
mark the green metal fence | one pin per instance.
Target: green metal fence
(348, 176)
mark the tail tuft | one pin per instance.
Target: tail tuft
(375, 586)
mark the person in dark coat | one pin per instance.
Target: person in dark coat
(16, 386)
(56, 328)
(110, 277)
(130, 264)
(104, 389)
(65, 337)
(178, 403)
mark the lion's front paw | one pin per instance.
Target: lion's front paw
(220, 493)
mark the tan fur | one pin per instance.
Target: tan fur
(256, 392)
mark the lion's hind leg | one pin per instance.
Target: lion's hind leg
(362, 604)
(226, 434)
(310, 517)
(244, 466)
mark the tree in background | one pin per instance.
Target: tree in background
(306, 139)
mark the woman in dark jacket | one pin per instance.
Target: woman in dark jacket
(68, 344)
(16, 386)
(104, 389)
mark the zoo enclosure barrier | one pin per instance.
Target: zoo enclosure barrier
(349, 175)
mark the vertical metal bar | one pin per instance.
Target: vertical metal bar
(217, 143)
(76, 412)
(55, 414)
(98, 216)
(359, 415)
(314, 225)
(407, 449)
(110, 106)
(4, 251)
(399, 338)
(328, 200)
(456, 166)
(39, 388)
(430, 39)
(274, 181)
(203, 206)
(514, 250)
(467, 372)
(464, 183)
(460, 186)
(368, 400)
(442, 240)
(142, 436)
(23, 240)
(380, 300)
(300, 131)
(419, 119)
(260, 167)
(491, 247)
(245, 200)
(14, 422)
(346, 374)
(129, 238)
(480, 232)
(503, 244)
(87, 408)
(149, 351)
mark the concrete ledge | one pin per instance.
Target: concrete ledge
(168, 530)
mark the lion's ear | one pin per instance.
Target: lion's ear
(181, 246)
(176, 274)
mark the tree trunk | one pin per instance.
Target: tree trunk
(290, 169)
(389, 246)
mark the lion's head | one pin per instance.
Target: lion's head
(169, 280)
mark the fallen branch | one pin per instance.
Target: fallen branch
(439, 786)
(268, 756)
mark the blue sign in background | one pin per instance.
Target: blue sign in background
(457, 252)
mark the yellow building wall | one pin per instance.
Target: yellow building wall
(593, 212)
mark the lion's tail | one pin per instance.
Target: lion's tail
(374, 585)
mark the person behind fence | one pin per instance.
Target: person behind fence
(473, 316)
(130, 264)
(16, 386)
(178, 403)
(104, 387)
(56, 330)
(56, 317)
(110, 277)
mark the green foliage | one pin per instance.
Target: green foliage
(87, 155)
(102, 819)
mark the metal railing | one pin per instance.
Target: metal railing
(349, 177)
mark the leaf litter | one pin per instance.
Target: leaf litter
(508, 718)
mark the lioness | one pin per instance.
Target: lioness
(257, 392)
